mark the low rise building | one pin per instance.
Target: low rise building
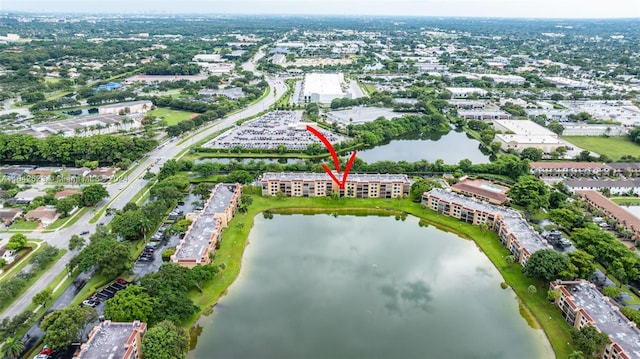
(484, 114)
(304, 184)
(42, 214)
(201, 237)
(513, 230)
(482, 189)
(521, 134)
(324, 88)
(569, 169)
(583, 304)
(126, 107)
(611, 210)
(613, 186)
(8, 215)
(465, 92)
(627, 169)
(113, 340)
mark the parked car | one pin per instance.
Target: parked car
(89, 303)
(84, 233)
(121, 281)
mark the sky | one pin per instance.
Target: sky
(462, 8)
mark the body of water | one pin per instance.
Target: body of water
(365, 287)
(451, 148)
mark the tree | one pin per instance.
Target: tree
(65, 326)
(66, 205)
(546, 264)
(203, 190)
(580, 265)
(201, 274)
(589, 340)
(420, 186)
(532, 153)
(12, 348)
(129, 225)
(530, 192)
(576, 354)
(245, 201)
(165, 341)
(612, 292)
(240, 176)
(41, 298)
(76, 242)
(110, 256)
(129, 304)
(553, 295)
(169, 287)
(556, 127)
(17, 241)
(93, 193)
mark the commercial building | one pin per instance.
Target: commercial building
(126, 107)
(611, 210)
(359, 115)
(84, 126)
(513, 230)
(206, 227)
(583, 304)
(465, 92)
(302, 184)
(324, 88)
(520, 134)
(113, 340)
(484, 114)
(569, 169)
(482, 189)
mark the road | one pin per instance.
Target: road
(123, 192)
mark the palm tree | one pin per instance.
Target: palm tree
(12, 348)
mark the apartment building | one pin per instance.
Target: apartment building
(614, 186)
(582, 304)
(627, 169)
(206, 227)
(482, 189)
(513, 230)
(301, 184)
(569, 168)
(113, 340)
(611, 210)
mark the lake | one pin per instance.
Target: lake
(318, 286)
(451, 148)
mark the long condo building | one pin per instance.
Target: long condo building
(583, 304)
(206, 227)
(513, 230)
(113, 340)
(303, 184)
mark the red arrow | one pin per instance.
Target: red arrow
(336, 162)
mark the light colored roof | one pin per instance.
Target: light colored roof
(566, 164)
(525, 127)
(618, 212)
(329, 84)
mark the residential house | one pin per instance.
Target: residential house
(42, 214)
(103, 173)
(9, 215)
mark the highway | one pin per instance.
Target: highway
(120, 193)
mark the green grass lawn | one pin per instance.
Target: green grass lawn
(24, 226)
(614, 147)
(536, 309)
(67, 221)
(171, 116)
(31, 281)
(625, 200)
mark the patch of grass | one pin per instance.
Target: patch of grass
(24, 226)
(625, 200)
(31, 281)
(23, 254)
(539, 310)
(172, 117)
(368, 88)
(613, 147)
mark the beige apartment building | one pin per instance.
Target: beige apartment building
(113, 340)
(583, 304)
(206, 228)
(303, 184)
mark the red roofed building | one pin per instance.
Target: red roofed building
(481, 189)
(569, 168)
(623, 218)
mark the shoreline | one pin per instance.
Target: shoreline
(366, 207)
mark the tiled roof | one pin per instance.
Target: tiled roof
(566, 164)
(618, 212)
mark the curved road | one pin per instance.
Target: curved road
(123, 192)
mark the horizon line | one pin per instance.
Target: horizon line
(164, 14)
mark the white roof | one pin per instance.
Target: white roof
(329, 84)
(528, 139)
(524, 127)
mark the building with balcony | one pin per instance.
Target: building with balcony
(611, 210)
(301, 184)
(583, 304)
(482, 189)
(513, 230)
(113, 340)
(204, 232)
(569, 169)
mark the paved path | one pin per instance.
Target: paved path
(123, 192)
